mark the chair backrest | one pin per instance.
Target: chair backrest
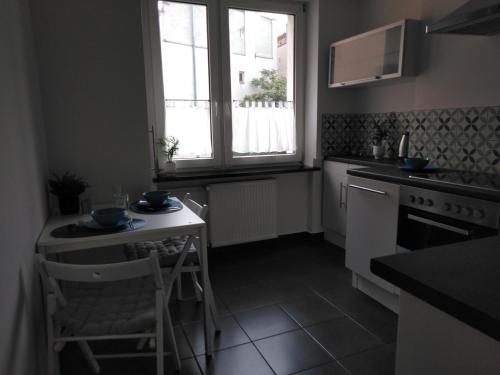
(198, 209)
(102, 272)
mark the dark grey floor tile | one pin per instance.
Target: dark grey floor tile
(265, 321)
(332, 368)
(191, 310)
(292, 352)
(366, 311)
(188, 367)
(378, 361)
(234, 278)
(73, 362)
(231, 334)
(182, 343)
(238, 360)
(249, 297)
(342, 337)
(310, 309)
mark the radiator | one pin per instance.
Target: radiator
(241, 212)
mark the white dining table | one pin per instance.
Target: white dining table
(157, 227)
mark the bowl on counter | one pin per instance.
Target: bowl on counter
(156, 198)
(415, 163)
(108, 217)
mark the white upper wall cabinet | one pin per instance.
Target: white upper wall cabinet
(386, 52)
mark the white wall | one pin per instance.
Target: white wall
(93, 87)
(327, 21)
(455, 71)
(22, 188)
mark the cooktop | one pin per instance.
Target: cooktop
(462, 178)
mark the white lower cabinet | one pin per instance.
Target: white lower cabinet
(335, 200)
(372, 222)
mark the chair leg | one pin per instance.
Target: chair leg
(178, 282)
(159, 335)
(169, 330)
(195, 286)
(213, 308)
(89, 356)
(52, 357)
(142, 342)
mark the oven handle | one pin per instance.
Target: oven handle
(380, 192)
(439, 225)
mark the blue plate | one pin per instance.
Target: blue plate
(428, 168)
(92, 224)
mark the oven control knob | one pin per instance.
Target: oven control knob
(420, 200)
(478, 214)
(447, 207)
(412, 198)
(458, 208)
(430, 202)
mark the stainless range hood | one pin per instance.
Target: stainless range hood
(476, 17)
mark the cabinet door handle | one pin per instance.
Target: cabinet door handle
(340, 195)
(346, 196)
(380, 192)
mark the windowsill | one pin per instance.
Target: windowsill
(233, 172)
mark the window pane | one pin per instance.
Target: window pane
(237, 31)
(184, 53)
(262, 86)
(264, 38)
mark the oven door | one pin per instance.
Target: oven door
(419, 230)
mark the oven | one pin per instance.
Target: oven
(430, 218)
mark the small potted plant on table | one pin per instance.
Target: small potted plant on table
(67, 188)
(169, 147)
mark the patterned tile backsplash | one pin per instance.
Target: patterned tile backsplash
(464, 138)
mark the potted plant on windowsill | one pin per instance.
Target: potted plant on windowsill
(378, 147)
(169, 147)
(67, 188)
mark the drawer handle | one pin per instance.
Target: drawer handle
(379, 192)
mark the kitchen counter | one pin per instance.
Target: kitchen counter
(462, 280)
(395, 175)
(368, 161)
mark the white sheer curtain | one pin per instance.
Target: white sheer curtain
(189, 122)
(264, 128)
(258, 128)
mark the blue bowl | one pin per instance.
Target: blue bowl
(108, 217)
(156, 198)
(416, 163)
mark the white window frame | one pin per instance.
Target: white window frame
(220, 85)
(299, 68)
(154, 79)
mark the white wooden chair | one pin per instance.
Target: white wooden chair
(169, 250)
(135, 291)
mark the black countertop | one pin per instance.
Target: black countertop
(476, 185)
(369, 161)
(461, 279)
(234, 172)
